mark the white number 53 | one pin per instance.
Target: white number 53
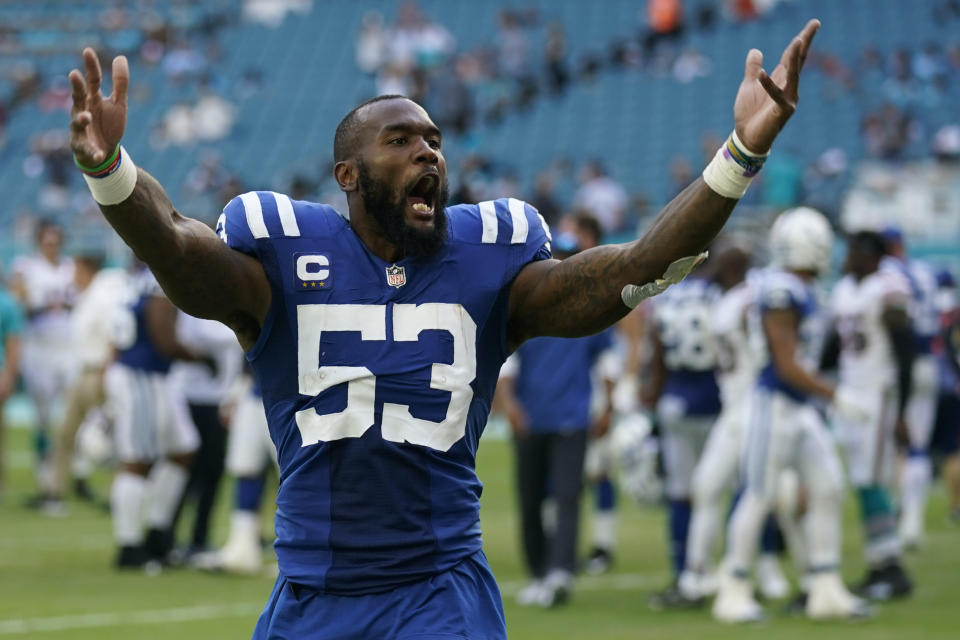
(371, 322)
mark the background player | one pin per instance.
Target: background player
(784, 428)
(154, 449)
(684, 396)
(546, 390)
(388, 162)
(716, 473)
(11, 326)
(99, 295)
(920, 414)
(197, 391)
(250, 454)
(44, 285)
(870, 308)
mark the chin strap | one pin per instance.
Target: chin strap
(632, 294)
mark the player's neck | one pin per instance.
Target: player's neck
(373, 237)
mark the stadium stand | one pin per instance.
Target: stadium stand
(282, 88)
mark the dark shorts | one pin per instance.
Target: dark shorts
(462, 603)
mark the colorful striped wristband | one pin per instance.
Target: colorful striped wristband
(105, 168)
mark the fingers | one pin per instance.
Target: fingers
(754, 65)
(80, 144)
(94, 76)
(806, 36)
(121, 79)
(79, 88)
(777, 94)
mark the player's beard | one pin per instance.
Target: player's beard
(389, 209)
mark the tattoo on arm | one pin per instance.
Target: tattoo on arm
(581, 295)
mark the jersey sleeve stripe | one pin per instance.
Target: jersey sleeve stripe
(288, 220)
(251, 206)
(488, 216)
(546, 227)
(519, 218)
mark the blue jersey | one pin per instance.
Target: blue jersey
(135, 347)
(681, 318)
(377, 380)
(781, 290)
(553, 382)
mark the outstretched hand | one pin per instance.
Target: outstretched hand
(764, 102)
(97, 123)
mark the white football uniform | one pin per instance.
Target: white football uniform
(138, 395)
(868, 369)
(249, 447)
(785, 430)
(920, 412)
(47, 366)
(716, 472)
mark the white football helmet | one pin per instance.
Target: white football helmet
(801, 239)
(637, 453)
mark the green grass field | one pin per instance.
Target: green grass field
(56, 580)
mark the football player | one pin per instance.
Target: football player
(197, 391)
(154, 449)
(250, 454)
(100, 293)
(716, 471)
(377, 340)
(784, 427)
(546, 392)
(11, 327)
(916, 473)
(684, 397)
(43, 283)
(876, 350)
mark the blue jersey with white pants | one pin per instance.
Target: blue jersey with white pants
(690, 399)
(377, 380)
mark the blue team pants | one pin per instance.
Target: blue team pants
(462, 603)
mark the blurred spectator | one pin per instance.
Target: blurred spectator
(448, 100)
(602, 196)
(371, 42)
(664, 25)
(183, 62)
(213, 116)
(558, 70)
(544, 199)
(946, 143)
(690, 65)
(416, 41)
(782, 179)
(272, 13)
(887, 132)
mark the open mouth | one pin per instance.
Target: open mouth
(423, 195)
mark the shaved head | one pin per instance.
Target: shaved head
(345, 140)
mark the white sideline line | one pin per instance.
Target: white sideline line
(623, 581)
(118, 618)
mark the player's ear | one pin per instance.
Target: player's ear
(345, 172)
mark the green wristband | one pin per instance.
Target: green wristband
(106, 163)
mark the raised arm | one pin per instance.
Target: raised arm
(582, 294)
(198, 272)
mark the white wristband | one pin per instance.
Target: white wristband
(733, 168)
(116, 187)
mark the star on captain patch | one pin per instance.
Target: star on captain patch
(396, 276)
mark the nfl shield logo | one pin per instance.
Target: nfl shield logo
(396, 276)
